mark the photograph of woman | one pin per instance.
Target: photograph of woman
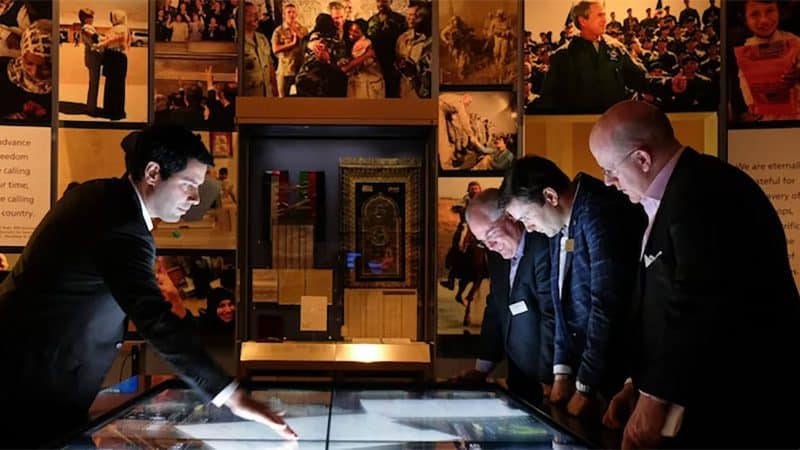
(365, 78)
(26, 81)
(111, 84)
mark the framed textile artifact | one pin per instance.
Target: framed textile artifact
(380, 222)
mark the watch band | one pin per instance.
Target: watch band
(582, 388)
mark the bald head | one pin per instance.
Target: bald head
(631, 124)
(632, 142)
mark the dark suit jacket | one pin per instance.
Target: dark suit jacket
(87, 265)
(716, 309)
(527, 338)
(606, 231)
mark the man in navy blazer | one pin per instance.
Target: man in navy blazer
(518, 320)
(595, 235)
(88, 264)
(716, 313)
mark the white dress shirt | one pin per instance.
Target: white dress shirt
(228, 390)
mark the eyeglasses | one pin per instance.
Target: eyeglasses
(612, 172)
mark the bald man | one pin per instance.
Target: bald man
(716, 311)
(518, 321)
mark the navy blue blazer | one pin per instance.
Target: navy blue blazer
(606, 232)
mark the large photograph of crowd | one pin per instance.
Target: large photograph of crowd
(103, 60)
(341, 48)
(584, 58)
(196, 20)
(763, 59)
(478, 42)
(26, 77)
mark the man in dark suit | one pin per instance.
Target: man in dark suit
(594, 239)
(715, 309)
(88, 264)
(518, 320)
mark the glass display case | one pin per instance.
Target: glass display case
(328, 416)
(336, 242)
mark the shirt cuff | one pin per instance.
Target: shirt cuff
(672, 423)
(484, 365)
(225, 394)
(562, 369)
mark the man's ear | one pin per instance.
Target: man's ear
(550, 196)
(644, 159)
(152, 173)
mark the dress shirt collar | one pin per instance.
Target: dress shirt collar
(652, 198)
(520, 248)
(145, 213)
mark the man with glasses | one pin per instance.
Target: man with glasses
(518, 320)
(715, 308)
(595, 235)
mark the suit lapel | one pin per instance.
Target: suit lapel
(668, 203)
(555, 243)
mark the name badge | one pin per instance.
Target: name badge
(569, 245)
(518, 308)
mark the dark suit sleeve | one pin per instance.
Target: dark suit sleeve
(614, 235)
(127, 260)
(492, 347)
(544, 299)
(554, 80)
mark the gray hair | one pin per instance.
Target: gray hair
(488, 201)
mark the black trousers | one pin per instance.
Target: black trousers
(115, 69)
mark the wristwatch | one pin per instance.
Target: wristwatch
(583, 388)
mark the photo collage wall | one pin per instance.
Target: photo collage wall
(477, 141)
(126, 63)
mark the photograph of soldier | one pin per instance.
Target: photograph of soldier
(199, 93)
(103, 76)
(461, 258)
(598, 61)
(478, 42)
(763, 62)
(479, 131)
(339, 48)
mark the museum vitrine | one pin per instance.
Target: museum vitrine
(336, 242)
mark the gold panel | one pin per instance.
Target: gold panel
(336, 111)
(288, 351)
(413, 352)
(564, 139)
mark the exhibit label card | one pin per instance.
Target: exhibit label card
(313, 313)
(24, 181)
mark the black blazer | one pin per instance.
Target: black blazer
(87, 265)
(527, 338)
(716, 310)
